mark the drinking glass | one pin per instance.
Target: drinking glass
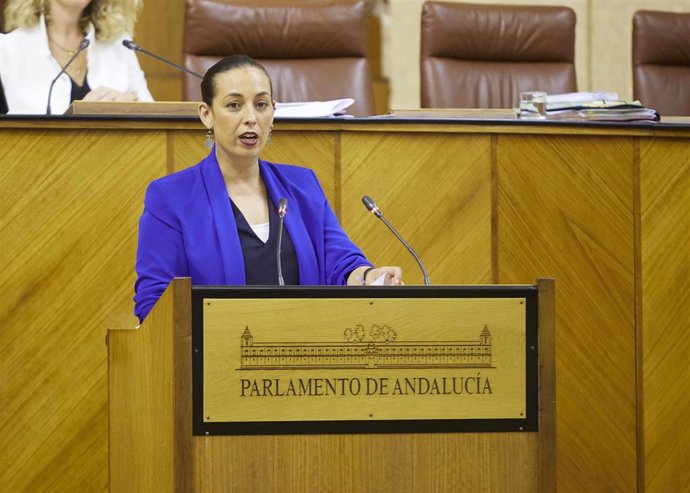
(533, 105)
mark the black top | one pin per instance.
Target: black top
(260, 259)
(78, 92)
(3, 101)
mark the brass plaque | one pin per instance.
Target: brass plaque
(361, 359)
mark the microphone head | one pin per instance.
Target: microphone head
(282, 207)
(84, 44)
(371, 206)
(128, 43)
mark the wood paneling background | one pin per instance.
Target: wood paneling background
(567, 215)
(664, 177)
(448, 219)
(66, 246)
(603, 210)
(160, 30)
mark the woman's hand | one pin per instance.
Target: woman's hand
(103, 93)
(393, 276)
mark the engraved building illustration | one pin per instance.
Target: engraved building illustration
(375, 348)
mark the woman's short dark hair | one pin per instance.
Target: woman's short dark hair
(208, 86)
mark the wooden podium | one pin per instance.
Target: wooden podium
(311, 389)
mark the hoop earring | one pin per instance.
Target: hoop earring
(270, 134)
(210, 138)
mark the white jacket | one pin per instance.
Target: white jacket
(27, 68)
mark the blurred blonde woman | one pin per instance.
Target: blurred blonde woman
(43, 35)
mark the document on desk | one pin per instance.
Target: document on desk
(590, 106)
(617, 111)
(581, 97)
(313, 109)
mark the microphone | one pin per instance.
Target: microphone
(128, 43)
(82, 46)
(282, 210)
(373, 208)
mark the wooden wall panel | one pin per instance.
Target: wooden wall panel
(68, 236)
(665, 277)
(315, 150)
(186, 148)
(365, 464)
(435, 189)
(160, 30)
(565, 211)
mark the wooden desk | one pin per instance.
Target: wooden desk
(601, 208)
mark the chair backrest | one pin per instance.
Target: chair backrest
(483, 56)
(3, 4)
(661, 61)
(313, 51)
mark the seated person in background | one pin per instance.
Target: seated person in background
(3, 101)
(42, 37)
(217, 221)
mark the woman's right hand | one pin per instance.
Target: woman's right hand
(103, 93)
(393, 276)
(392, 273)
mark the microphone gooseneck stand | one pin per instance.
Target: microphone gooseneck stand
(373, 208)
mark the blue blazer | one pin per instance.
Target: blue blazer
(188, 229)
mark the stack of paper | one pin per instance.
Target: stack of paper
(592, 106)
(313, 109)
(581, 97)
(617, 111)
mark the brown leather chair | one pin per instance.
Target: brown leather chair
(314, 51)
(483, 56)
(3, 101)
(3, 4)
(661, 61)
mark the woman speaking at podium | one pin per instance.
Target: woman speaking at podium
(218, 221)
(75, 46)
